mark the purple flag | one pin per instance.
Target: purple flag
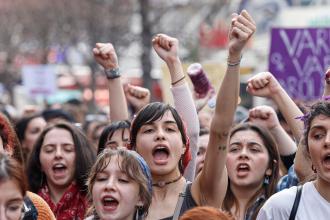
(299, 58)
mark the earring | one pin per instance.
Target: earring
(266, 180)
(314, 169)
(138, 212)
(181, 168)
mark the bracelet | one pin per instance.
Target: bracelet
(173, 83)
(234, 64)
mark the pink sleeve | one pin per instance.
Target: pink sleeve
(184, 104)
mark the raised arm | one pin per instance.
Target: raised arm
(105, 55)
(264, 84)
(266, 117)
(326, 91)
(210, 186)
(137, 96)
(167, 49)
(302, 162)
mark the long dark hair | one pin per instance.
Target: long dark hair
(152, 112)
(85, 157)
(274, 157)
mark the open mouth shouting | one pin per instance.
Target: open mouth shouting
(109, 203)
(243, 169)
(326, 161)
(160, 154)
(59, 170)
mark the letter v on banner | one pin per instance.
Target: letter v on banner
(300, 54)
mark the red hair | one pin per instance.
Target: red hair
(11, 169)
(9, 138)
(186, 157)
(205, 212)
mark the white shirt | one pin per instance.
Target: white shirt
(312, 205)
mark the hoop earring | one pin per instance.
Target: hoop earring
(314, 169)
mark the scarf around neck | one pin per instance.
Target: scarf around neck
(72, 205)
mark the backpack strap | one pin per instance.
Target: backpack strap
(296, 203)
(179, 203)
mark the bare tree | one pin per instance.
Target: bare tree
(32, 27)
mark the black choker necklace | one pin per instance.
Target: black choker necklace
(161, 184)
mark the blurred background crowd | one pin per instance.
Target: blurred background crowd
(45, 46)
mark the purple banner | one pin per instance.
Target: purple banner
(299, 58)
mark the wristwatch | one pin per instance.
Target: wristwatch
(112, 73)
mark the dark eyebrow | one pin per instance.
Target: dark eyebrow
(253, 142)
(317, 127)
(249, 143)
(149, 123)
(48, 145)
(166, 122)
(170, 122)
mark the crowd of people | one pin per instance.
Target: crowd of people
(163, 161)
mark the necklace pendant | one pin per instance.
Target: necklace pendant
(161, 184)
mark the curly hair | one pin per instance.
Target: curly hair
(318, 108)
(9, 138)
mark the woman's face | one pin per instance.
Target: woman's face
(160, 144)
(11, 201)
(202, 147)
(247, 159)
(115, 195)
(32, 132)
(119, 138)
(57, 158)
(319, 146)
